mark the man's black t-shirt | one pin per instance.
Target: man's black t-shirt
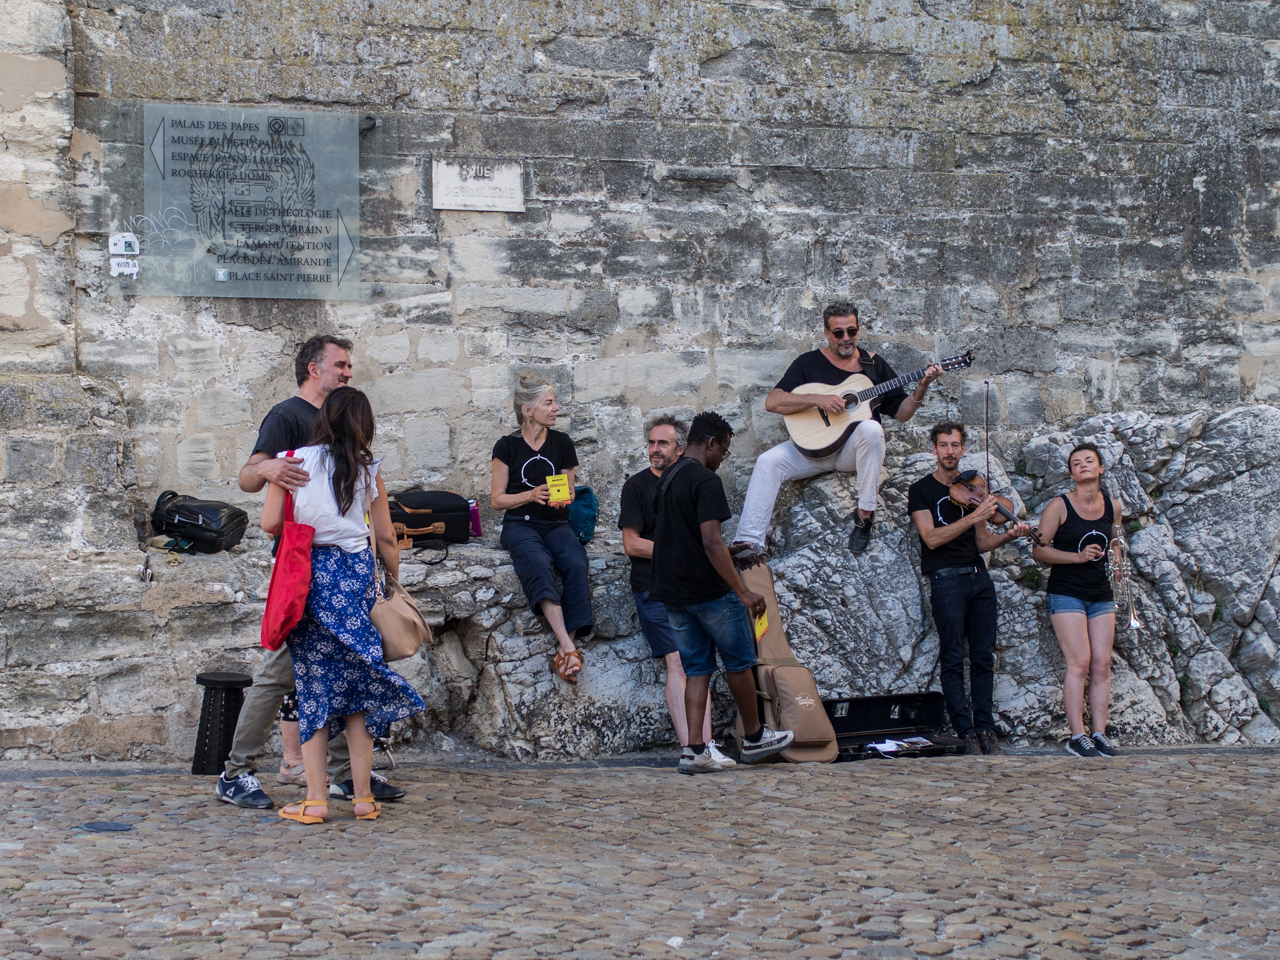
(814, 367)
(637, 513)
(287, 426)
(528, 468)
(682, 572)
(928, 494)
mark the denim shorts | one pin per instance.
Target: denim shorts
(1058, 603)
(655, 625)
(702, 629)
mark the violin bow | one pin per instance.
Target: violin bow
(986, 429)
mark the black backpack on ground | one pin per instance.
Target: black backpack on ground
(430, 516)
(207, 526)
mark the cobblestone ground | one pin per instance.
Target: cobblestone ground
(1035, 857)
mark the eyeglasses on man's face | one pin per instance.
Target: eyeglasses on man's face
(841, 332)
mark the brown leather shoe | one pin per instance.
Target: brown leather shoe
(990, 745)
(972, 747)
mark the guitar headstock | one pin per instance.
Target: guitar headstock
(958, 362)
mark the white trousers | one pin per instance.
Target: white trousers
(863, 452)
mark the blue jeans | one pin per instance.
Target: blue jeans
(1058, 603)
(966, 605)
(538, 549)
(655, 625)
(702, 629)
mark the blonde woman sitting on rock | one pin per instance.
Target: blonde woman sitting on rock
(536, 532)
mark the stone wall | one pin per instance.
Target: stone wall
(1085, 195)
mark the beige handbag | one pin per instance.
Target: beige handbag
(395, 616)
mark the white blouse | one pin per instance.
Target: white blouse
(316, 506)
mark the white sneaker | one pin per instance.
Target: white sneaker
(691, 762)
(713, 748)
(771, 741)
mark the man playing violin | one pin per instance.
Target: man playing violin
(863, 451)
(952, 541)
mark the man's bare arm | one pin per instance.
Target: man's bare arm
(718, 554)
(780, 401)
(634, 545)
(263, 469)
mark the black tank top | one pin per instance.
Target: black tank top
(1084, 581)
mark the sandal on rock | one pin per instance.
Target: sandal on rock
(294, 775)
(565, 661)
(301, 816)
(377, 808)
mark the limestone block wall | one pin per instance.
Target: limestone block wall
(1085, 195)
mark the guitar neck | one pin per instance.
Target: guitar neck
(881, 388)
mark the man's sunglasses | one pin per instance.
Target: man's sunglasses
(849, 332)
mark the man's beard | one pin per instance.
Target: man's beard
(949, 463)
(846, 348)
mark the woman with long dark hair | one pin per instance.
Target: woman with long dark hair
(341, 678)
(1078, 527)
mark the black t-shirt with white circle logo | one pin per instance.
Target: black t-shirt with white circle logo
(528, 468)
(928, 493)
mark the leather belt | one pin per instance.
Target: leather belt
(953, 572)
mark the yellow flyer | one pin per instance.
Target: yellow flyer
(558, 488)
(762, 625)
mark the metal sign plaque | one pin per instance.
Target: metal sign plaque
(248, 203)
(477, 185)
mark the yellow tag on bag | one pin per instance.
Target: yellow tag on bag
(762, 625)
(558, 488)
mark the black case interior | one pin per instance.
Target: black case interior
(860, 721)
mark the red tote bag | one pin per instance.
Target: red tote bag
(290, 579)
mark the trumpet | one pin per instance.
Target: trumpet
(1120, 573)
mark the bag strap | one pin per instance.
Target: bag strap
(368, 519)
(288, 498)
(667, 477)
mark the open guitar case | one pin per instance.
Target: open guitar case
(786, 693)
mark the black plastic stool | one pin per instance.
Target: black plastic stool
(223, 698)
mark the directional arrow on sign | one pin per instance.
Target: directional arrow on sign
(157, 147)
(346, 247)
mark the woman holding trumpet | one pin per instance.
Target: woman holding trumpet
(1078, 527)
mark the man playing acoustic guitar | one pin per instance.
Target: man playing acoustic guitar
(862, 452)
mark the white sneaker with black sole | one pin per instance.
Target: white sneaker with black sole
(771, 741)
(713, 748)
(1082, 746)
(691, 762)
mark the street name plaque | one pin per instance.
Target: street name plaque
(248, 203)
(477, 185)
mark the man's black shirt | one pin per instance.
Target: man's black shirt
(928, 493)
(814, 367)
(682, 571)
(287, 426)
(637, 513)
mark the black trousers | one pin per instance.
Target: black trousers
(966, 606)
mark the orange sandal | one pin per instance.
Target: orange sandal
(564, 661)
(301, 816)
(377, 808)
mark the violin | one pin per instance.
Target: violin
(971, 488)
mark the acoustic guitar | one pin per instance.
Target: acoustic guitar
(820, 434)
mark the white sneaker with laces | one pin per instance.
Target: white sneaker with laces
(713, 748)
(691, 762)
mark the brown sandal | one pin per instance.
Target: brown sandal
(564, 661)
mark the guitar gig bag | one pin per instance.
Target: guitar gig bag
(785, 688)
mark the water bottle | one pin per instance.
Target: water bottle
(475, 517)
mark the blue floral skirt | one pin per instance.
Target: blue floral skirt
(337, 652)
